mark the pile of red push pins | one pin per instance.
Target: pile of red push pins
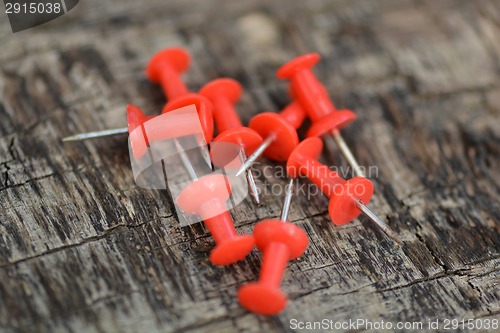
(273, 135)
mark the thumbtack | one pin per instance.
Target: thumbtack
(279, 131)
(280, 241)
(224, 93)
(166, 67)
(204, 108)
(313, 96)
(348, 198)
(206, 196)
(135, 118)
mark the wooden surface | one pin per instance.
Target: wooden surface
(82, 249)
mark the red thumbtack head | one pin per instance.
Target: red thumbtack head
(280, 242)
(166, 67)
(273, 125)
(313, 96)
(224, 93)
(204, 108)
(279, 129)
(344, 195)
(206, 197)
(138, 139)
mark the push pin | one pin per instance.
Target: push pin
(166, 68)
(281, 242)
(224, 93)
(204, 108)
(279, 131)
(348, 198)
(206, 196)
(313, 96)
(139, 141)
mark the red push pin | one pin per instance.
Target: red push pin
(204, 108)
(183, 98)
(207, 197)
(166, 67)
(348, 198)
(280, 241)
(224, 93)
(139, 140)
(279, 131)
(135, 118)
(313, 96)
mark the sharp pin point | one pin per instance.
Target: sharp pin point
(96, 134)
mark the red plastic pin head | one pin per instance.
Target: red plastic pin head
(341, 208)
(206, 197)
(135, 117)
(298, 64)
(166, 67)
(270, 231)
(224, 93)
(241, 138)
(175, 57)
(308, 149)
(334, 121)
(199, 196)
(138, 139)
(285, 136)
(227, 88)
(231, 249)
(204, 108)
(262, 298)
(280, 242)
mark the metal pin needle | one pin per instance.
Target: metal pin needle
(347, 153)
(288, 198)
(255, 155)
(97, 134)
(375, 219)
(185, 160)
(251, 180)
(119, 131)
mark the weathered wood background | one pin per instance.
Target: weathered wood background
(83, 249)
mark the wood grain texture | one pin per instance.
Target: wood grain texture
(83, 249)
